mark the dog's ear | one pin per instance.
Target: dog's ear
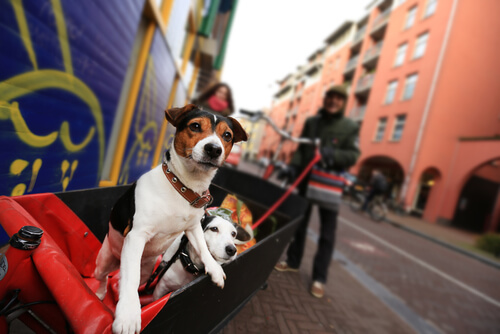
(242, 234)
(174, 115)
(205, 220)
(239, 133)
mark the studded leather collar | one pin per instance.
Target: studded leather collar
(196, 200)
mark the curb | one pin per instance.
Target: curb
(475, 256)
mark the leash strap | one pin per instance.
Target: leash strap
(317, 157)
(163, 266)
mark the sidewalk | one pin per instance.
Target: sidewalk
(287, 307)
(447, 236)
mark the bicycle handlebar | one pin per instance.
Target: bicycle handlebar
(256, 116)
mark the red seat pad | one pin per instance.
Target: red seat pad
(67, 252)
(72, 236)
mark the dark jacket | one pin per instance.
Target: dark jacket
(335, 131)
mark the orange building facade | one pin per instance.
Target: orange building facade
(424, 85)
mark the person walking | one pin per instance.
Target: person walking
(339, 151)
(217, 98)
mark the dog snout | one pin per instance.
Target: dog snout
(212, 150)
(230, 250)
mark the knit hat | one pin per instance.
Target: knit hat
(338, 90)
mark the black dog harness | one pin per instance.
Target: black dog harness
(186, 261)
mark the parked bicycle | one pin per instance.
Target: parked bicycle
(376, 209)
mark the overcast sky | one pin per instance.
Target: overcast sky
(270, 38)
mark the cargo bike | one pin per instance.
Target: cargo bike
(46, 269)
(49, 243)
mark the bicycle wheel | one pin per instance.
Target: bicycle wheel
(356, 202)
(377, 211)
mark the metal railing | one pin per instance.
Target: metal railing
(358, 113)
(359, 35)
(373, 52)
(351, 64)
(381, 19)
(365, 82)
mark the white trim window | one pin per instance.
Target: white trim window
(430, 8)
(400, 55)
(379, 134)
(420, 45)
(410, 17)
(399, 126)
(391, 92)
(409, 89)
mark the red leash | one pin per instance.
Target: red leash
(317, 157)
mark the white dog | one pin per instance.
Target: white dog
(164, 203)
(220, 235)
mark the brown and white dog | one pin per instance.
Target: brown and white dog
(153, 213)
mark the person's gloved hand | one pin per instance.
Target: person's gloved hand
(328, 156)
(288, 173)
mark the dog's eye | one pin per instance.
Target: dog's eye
(196, 127)
(233, 234)
(227, 136)
(214, 229)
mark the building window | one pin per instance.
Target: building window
(391, 92)
(400, 55)
(410, 17)
(399, 126)
(430, 8)
(379, 135)
(420, 45)
(411, 82)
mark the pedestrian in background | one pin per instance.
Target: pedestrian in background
(339, 150)
(217, 98)
(377, 186)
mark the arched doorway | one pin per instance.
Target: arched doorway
(478, 206)
(428, 180)
(391, 169)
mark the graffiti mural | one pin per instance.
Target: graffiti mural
(149, 114)
(60, 82)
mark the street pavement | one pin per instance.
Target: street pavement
(383, 279)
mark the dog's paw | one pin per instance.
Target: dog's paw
(127, 318)
(217, 273)
(100, 294)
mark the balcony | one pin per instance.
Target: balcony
(351, 66)
(358, 38)
(380, 23)
(358, 113)
(370, 58)
(364, 85)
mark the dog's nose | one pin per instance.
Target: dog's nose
(213, 151)
(230, 250)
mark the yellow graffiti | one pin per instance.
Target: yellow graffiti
(145, 123)
(34, 173)
(18, 166)
(66, 138)
(64, 168)
(29, 82)
(21, 127)
(26, 83)
(63, 36)
(18, 190)
(24, 31)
